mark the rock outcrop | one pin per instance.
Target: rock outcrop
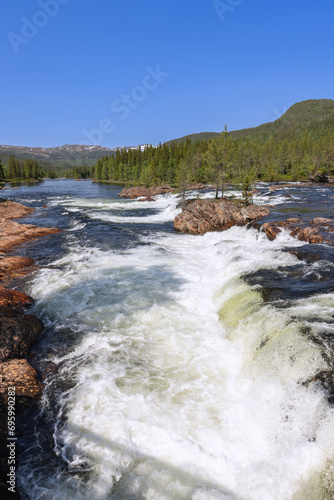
(17, 332)
(14, 266)
(13, 210)
(140, 191)
(14, 299)
(201, 216)
(13, 234)
(318, 230)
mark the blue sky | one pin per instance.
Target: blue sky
(126, 73)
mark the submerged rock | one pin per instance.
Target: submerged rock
(201, 216)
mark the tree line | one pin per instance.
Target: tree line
(30, 169)
(220, 160)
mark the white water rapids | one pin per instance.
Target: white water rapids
(183, 383)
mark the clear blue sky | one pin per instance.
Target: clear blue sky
(65, 69)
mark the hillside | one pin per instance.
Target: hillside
(63, 156)
(315, 116)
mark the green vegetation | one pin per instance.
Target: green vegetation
(22, 170)
(30, 169)
(297, 145)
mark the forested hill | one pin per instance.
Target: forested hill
(315, 116)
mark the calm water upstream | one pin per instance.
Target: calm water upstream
(184, 362)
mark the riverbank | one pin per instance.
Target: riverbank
(20, 385)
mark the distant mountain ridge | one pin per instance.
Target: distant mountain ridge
(63, 156)
(69, 155)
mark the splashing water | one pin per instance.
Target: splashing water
(176, 380)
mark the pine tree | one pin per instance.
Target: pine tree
(2, 175)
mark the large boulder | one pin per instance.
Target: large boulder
(201, 216)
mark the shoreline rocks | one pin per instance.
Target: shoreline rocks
(18, 331)
(201, 216)
(14, 234)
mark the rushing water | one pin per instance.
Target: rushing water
(186, 366)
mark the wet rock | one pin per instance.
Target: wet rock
(322, 220)
(15, 266)
(308, 234)
(271, 230)
(13, 234)
(137, 192)
(20, 374)
(13, 210)
(14, 299)
(18, 331)
(201, 216)
(293, 220)
(147, 198)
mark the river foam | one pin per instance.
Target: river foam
(181, 382)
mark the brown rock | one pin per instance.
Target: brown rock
(20, 374)
(13, 210)
(17, 333)
(137, 192)
(201, 216)
(147, 198)
(307, 234)
(322, 220)
(14, 299)
(293, 220)
(13, 234)
(15, 266)
(271, 230)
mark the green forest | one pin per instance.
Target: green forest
(297, 146)
(224, 158)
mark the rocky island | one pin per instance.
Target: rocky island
(201, 216)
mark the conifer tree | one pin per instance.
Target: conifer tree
(2, 175)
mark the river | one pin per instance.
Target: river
(183, 364)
